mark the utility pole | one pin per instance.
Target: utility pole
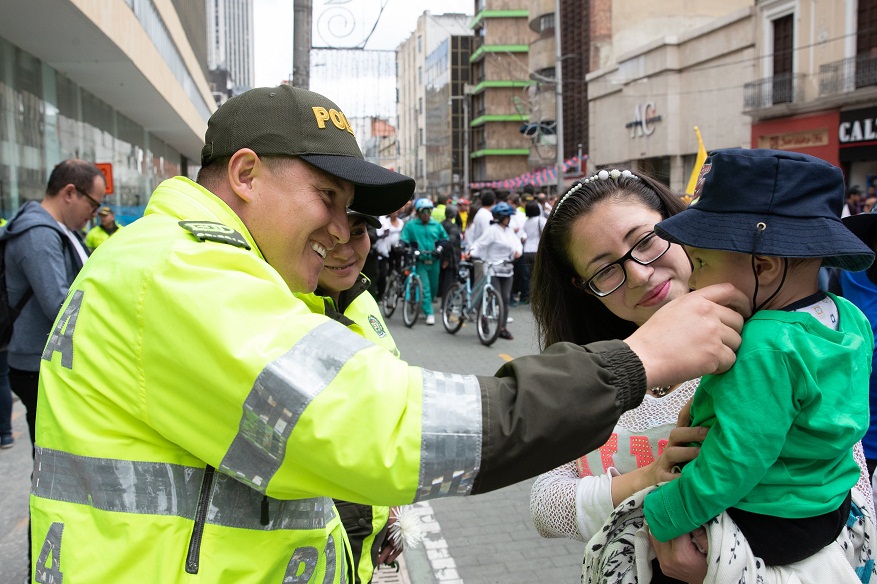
(301, 43)
(558, 89)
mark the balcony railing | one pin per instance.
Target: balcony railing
(847, 75)
(782, 88)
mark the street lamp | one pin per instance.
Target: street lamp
(465, 100)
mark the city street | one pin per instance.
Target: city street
(485, 539)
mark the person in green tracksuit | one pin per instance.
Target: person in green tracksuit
(196, 423)
(425, 231)
(342, 290)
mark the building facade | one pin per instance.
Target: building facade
(815, 87)
(114, 82)
(501, 89)
(447, 113)
(651, 89)
(230, 43)
(576, 52)
(430, 32)
(380, 134)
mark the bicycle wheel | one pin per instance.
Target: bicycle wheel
(411, 304)
(489, 316)
(453, 305)
(391, 295)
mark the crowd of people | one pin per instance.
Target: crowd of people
(239, 410)
(505, 229)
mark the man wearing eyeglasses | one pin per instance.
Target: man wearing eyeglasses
(44, 252)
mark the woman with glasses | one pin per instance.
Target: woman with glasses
(601, 272)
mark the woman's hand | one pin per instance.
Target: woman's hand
(677, 452)
(680, 559)
(666, 468)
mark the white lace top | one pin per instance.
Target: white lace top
(574, 500)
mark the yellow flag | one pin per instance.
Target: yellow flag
(698, 164)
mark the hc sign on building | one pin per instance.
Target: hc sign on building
(644, 115)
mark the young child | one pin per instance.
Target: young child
(783, 420)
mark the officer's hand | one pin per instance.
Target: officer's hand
(691, 336)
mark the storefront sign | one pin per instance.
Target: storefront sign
(644, 115)
(857, 126)
(795, 140)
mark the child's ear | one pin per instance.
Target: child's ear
(768, 268)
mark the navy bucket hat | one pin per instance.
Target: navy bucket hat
(769, 202)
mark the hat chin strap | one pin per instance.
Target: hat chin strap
(777, 291)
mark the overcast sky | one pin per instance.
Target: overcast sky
(333, 26)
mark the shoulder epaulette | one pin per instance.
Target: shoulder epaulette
(212, 231)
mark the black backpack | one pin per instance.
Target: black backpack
(8, 313)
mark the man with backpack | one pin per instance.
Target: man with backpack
(43, 252)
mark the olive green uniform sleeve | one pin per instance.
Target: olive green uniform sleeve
(541, 411)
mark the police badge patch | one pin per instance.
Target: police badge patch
(376, 325)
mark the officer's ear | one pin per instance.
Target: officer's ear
(244, 167)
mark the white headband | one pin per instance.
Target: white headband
(602, 175)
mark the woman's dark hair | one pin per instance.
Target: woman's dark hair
(531, 209)
(563, 311)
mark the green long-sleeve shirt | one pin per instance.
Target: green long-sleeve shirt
(783, 421)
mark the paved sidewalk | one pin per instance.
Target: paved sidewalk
(489, 538)
(15, 468)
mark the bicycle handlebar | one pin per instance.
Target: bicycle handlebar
(486, 263)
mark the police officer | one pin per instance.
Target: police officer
(196, 422)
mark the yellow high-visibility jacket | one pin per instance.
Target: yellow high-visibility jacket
(98, 235)
(196, 418)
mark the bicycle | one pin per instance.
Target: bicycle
(407, 287)
(480, 303)
(395, 281)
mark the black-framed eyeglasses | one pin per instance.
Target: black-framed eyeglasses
(610, 278)
(95, 204)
